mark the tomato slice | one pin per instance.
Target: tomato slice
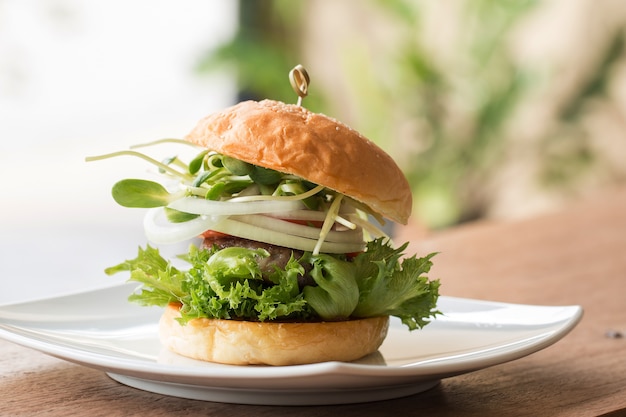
(212, 234)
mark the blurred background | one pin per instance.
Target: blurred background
(495, 109)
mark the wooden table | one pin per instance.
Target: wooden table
(577, 256)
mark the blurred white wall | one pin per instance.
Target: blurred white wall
(83, 78)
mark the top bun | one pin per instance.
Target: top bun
(291, 139)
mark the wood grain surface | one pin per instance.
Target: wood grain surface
(576, 256)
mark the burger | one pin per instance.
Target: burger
(291, 265)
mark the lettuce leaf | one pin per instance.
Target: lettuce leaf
(224, 284)
(227, 284)
(162, 283)
(337, 293)
(390, 287)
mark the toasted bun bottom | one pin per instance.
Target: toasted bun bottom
(271, 343)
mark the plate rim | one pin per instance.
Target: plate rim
(420, 369)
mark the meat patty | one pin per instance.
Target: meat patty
(279, 256)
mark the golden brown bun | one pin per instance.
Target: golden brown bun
(238, 342)
(291, 139)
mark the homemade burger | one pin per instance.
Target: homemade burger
(291, 268)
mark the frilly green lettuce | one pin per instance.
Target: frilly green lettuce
(227, 284)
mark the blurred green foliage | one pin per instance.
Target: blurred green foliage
(567, 150)
(460, 106)
(264, 49)
(478, 89)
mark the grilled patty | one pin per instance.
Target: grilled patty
(279, 256)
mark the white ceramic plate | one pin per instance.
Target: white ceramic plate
(100, 329)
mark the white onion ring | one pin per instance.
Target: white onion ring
(307, 215)
(312, 215)
(293, 229)
(247, 224)
(160, 230)
(195, 205)
(273, 237)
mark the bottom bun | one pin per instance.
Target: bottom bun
(238, 342)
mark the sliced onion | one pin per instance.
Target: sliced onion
(251, 220)
(331, 215)
(195, 205)
(311, 215)
(367, 226)
(160, 230)
(307, 215)
(282, 226)
(261, 234)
